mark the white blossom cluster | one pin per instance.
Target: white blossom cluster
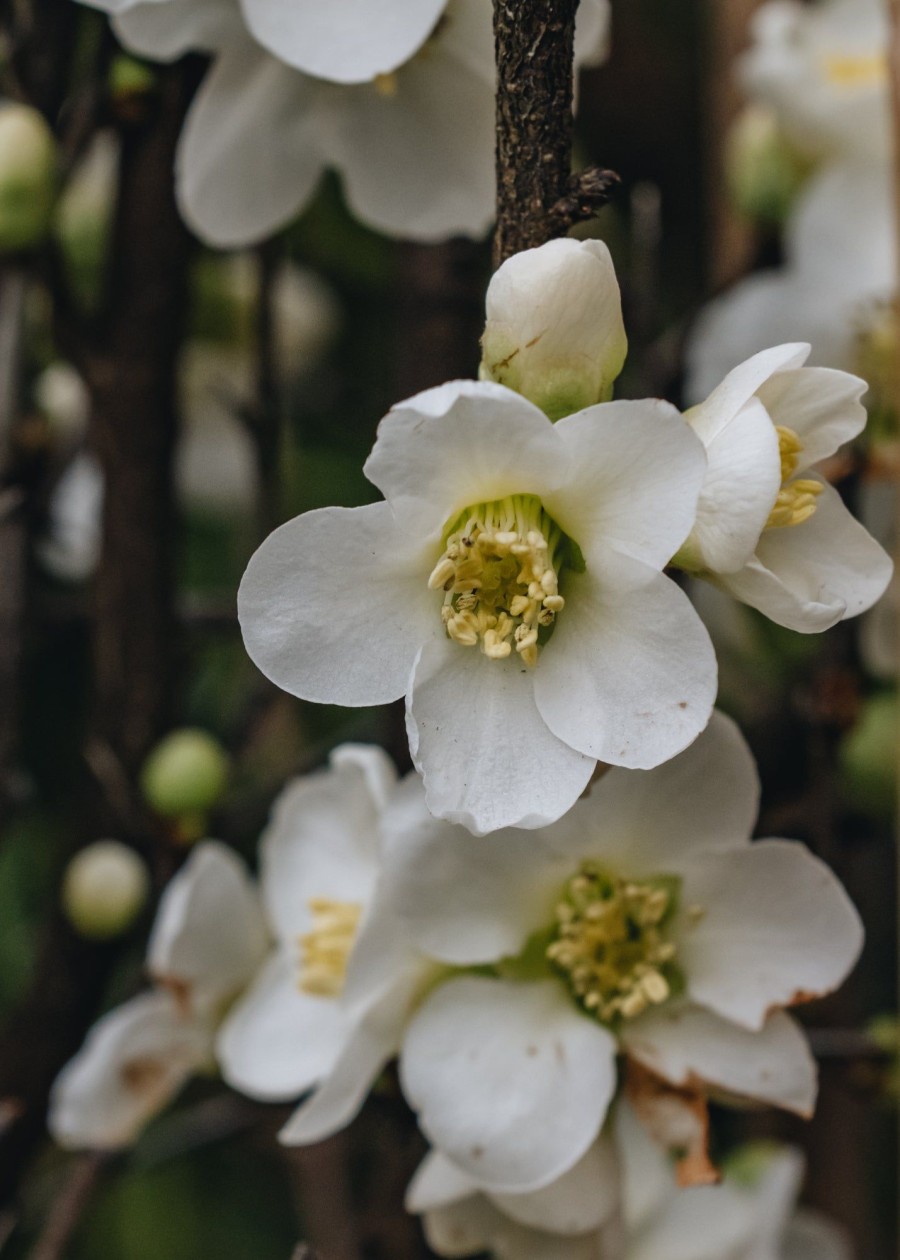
(557, 924)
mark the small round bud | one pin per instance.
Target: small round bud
(104, 889)
(764, 170)
(27, 177)
(868, 758)
(554, 330)
(185, 774)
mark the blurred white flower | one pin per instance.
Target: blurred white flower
(644, 922)
(70, 547)
(413, 143)
(208, 941)
(554, 330)
(750, 1216)
(770, 530)
(498, 527)
(62, 396)
(329, 1006)
(104, 889)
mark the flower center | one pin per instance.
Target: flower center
(325, 949)
(500, 576)
(796, 501)
(610, 944)
(848, 70)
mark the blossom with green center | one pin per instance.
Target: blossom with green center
(643, 924)
(509, 586)
(770, 530)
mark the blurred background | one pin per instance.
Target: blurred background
(162, 407)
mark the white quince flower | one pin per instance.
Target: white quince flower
(413, 144)
(70, 548)
(747, 1217)
(823, 68)
(329, 1006)
(208, 941)
(554, 330)
(770, 530)
(644, 922)
(499, 527)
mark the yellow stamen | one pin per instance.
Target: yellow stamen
(848, 70)
(796, 501)
(500, 577)
(610, 944)
(326, 947)
(386, 85)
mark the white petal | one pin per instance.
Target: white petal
(710, 417)
(821, 405)
(686, 1046)
(811, 1236)
(232, 189)
(487, 756)
(699, 1223)
(334, 605)
(461, 920)
(322, 841)
(777, 928)
(347, 41)
(648, 1176)
(853, 258)
(209, 937)
(417, 160)
(438, 1182)
(460, 444)
(809, 576)
(155, 31)
(464, 1228)
(629, 676)
(489, 1064)
(582, 1199)
(592, 33)
(134, 1061)
(278, 1041)
(645, 822)
(742, 481)
(636, 473)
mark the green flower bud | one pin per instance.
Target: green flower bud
(185, 774)
(868, 758)
(764, 170)
(27, 177)
(104, 889)
(554, 330)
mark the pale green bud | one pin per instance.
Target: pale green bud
(27, 177)
(554, 330)
(869, 758)
(104, 889)
(185, 775)
(764, 170)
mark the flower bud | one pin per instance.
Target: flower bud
(554, 329)
(27, 177)
(764, 170)
(104, 889)
(868, 758)
(185, 774)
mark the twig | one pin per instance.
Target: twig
(69, 1207)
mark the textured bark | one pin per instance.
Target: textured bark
(534, 42)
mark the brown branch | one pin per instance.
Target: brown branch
(67, 1210)
(536, 199)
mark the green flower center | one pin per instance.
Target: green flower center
(610, 943)
(500, 574)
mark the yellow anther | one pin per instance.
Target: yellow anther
(386, 85)
(500, 576)
(325, 949)
(796, 501)
(610, 945)
(846, 70)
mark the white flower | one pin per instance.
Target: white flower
(646, 909)
(414, 145)
(328, 1007)
(750, 1216)
(207, 943)
(70, 548)
(499, 526)
(554, 329)
(823, 68)
(770, 530)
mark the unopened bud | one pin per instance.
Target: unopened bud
(27, 177)
(764, 170)
(869, 758)
(104, 889)
(185, 775)
(554, 330)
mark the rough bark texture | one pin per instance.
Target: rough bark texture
(534, 42)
